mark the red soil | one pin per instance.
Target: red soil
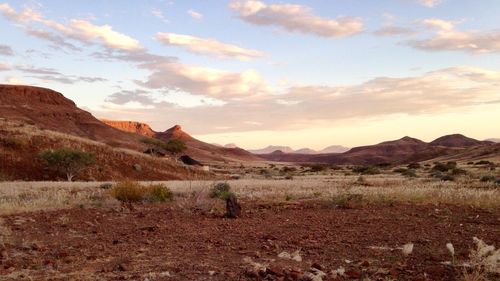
(155, 241)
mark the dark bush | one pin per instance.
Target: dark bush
(414, 166)
(458, 172)
(488, 178)
(447, 178)
(366, 170)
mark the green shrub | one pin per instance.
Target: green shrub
(159, 193)
(68, 161)
(220, 190)
(366, 170)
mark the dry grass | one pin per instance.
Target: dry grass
(31, 196)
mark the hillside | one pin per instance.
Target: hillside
(131, 127)
(456, 140)
(21, 143)
(48, 109)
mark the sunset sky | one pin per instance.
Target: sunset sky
(255, 73)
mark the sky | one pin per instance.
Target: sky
(256, 73)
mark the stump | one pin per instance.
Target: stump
(233, 208)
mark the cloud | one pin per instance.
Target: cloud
(159, 14)
(434, 92)
(204, 81)
(295, 18)
(391, 30)
(50, 74)
(210, 47)
(86, 31)
(195, 15)
(4, 66)
(447, 37)
(430, 3)
(57, 41)
(80, 30)
(6, 50)
(14, 81)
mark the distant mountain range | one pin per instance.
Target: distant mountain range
(287, 149)
(404, 150)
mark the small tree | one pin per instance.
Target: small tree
(175, 147)
(68, 161)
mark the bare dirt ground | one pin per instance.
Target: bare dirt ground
(164, 242)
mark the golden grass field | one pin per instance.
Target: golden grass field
(31, 196)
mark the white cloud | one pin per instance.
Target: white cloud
(81, 30)
(14, 81)
(295, 18)
(446, 37)
(204, 81)
(209, 47)
(430, 3)
(195, 15)
(159, 14)
(6, 50)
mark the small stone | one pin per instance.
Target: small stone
(317, 266)
(137, 167)
(353, 273)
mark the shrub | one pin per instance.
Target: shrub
(366, 170)
(317, 168)
(106, 185)
(409, 173)
(440, 167)
(159, 193)
(15, 143)
(220, 190)
(68, 161)
(129, 191)
(447, 178)
(458, 172)
(347, 201)
(483, 162)
(488, 178)
(400, 170)
(414, 166)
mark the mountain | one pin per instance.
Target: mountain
(456, 140)
(385, 152)
(131, 127)
(334, 149)
(495, 140)
(230, 145)
(196, 149)
(305, 151)
(271, 149)
(48, 109)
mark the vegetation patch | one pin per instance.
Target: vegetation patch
(134, 192)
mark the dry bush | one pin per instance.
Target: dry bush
(131, 191)
(197, 201)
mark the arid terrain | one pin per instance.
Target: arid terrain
(143, 209)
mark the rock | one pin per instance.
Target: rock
(353, 273)
(317, 266)
(137, 167)
(233, 208)
(274, 270)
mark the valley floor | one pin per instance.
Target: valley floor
(289, 230)
(162, 242)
